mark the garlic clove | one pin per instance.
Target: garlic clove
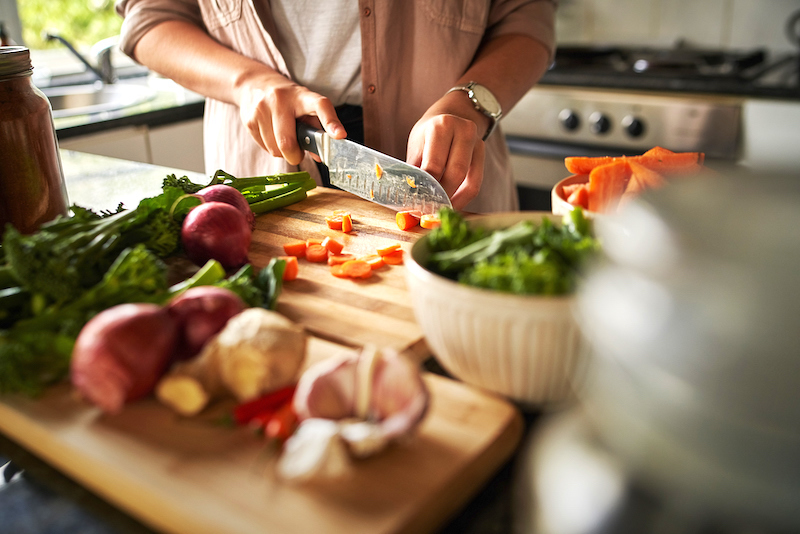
(314, 452)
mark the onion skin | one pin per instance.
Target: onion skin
(229, 195)
(200, 313)
(215, 230)
(121, 353)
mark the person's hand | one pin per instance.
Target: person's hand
(269, 106)
(446, 142)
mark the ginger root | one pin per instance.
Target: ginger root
(257, 351)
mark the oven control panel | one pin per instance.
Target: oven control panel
(628, 120)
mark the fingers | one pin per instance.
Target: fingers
(449, 148)
(270, 116)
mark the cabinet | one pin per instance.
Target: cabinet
(178, 145)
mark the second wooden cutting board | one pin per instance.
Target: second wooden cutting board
(376, 310)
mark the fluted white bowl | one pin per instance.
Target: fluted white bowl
(527, 348)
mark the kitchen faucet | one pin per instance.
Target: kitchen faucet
(102, 52)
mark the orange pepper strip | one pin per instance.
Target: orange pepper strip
(383, 251)
(394, 258)
(297, 248)
(333, 246)
(292, 268)
(317, 254)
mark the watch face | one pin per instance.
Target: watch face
(486, 99)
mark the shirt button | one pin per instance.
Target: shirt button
(367, 12)
(371, 88)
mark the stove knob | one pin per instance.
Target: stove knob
(633, 126)
(599, 123)
(569, 119)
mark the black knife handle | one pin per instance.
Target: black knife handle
(307, 137)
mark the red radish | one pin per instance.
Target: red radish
(229, 195)
(121, 353)
(215, 230)
(201, 312)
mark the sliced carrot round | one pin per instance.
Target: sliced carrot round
(335, 259)
(334, 222)
(394, 258)
(333, 246)
(374, 260)
(317, 254)
(347, 223)
(429, 220)
(406, 220)
(296, 248)
(357, 269)
(292, 268)
(383, 251)
(338, 271)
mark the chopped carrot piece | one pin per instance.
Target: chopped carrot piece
(340, 213)
(334, 222)
(406, 220)
(334, 259)
(333, 246)
(317, 254)
(571, 188)
(296, 248)
(378, 171)
(313, 241)
(383, 251)
(668, 162)
(347, 223)
(429, 221)
(357, 269)
(292, 268)
(394, 258)
(338, 271)
(580, 196)
(411, 181)
(374, 260)
(584, 165)
(606, 185)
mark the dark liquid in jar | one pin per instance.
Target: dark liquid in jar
(31, 184)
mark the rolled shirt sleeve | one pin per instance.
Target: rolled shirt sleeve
(140, 16)
(533, 18)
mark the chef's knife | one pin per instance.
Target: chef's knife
(373, 175)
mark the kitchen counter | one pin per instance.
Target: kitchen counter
(43, 500)
(171, 104)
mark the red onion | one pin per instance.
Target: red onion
(229, 195)
(121, 353)
(201, 312)
(215, 230)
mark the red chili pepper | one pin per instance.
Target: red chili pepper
(282, 424)
(266, 404)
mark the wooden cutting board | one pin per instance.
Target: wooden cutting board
(351, 312)
(191, 476)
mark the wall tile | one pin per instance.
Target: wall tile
(698, 23)
(624, 21)
(762, 23)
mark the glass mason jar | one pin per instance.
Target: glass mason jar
(32, 189)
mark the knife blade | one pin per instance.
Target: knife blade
(373, 175)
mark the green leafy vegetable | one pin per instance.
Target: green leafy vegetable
(263, 193)
(523, 259)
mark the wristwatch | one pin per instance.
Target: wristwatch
(484, 101)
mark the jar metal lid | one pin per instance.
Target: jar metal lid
(15, 61)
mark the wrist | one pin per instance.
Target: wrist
(483, 102)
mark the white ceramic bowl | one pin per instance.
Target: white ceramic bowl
(527, 348)
(558, 199)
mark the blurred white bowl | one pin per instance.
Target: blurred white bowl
(527, 348)
(558, 199)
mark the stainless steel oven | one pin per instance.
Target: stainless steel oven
(614, 101)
